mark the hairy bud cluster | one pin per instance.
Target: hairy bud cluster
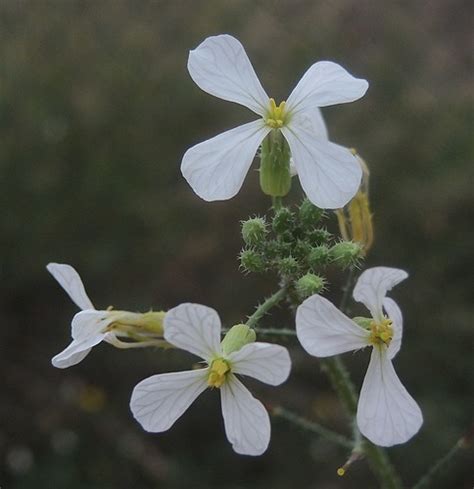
(294, 244)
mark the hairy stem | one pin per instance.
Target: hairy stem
(441, 464)
(263, 308)
(308, 425)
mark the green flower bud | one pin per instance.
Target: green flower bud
(271, 249)
(308, 285)
(283, 221)
(288, 266)
(346, 253)
(318, 256)
(275, 176)
(254, 231)
(309, 214)
(237, 337)
(252, 261)
(319, 236)
(302, 249)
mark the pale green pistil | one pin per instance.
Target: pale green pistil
(276, 115)
(218, 372)
(381, 333)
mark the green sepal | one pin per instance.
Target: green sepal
(237, 337)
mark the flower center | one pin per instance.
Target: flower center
(381, 333)
(276, 116)
(218, 372)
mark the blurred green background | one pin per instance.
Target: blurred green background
(96, 111)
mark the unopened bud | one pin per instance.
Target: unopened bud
(254, 231)
(288, 266)
(346, 253)
(275, 177)
(251, 261)
(308, 285)
(309, 214)
(237, 337)
(283, 221)
(318, 256)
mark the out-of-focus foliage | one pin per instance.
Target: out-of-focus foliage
(96, 110)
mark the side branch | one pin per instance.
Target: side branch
(312, 427)
(263, 308)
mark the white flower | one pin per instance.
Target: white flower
(90, 326)
(386, 414)
(216, 168)
(158, 401)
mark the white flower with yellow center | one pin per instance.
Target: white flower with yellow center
(158, 401)
(386, 414)
(89, 326)
(215, 169)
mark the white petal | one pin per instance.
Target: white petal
(220, 66)
(158, 401)
(216, 168)
(325, 83)
(194, 328)
(71, 282)
(324, 331)
(87, 324)
(74, 353)
(395, 314)
(263, 361)
(247, 424)
(387, 415)
(372, 286)
(329, 174)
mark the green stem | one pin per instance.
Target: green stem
(277, 203)
(263, 308)
(275, 331)
(436, 469)
(312, 426)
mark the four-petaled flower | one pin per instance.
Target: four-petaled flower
(158, 401)
(215, 169)
(386, 414)
(89, 326)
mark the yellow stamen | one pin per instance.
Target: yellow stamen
(218, 372)
(276, 116)
(381, 333)
(340, 471)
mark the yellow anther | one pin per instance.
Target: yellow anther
(340, 471)
(276, 115)
(217, 373)
(381, 333)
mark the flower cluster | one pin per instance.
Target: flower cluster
(290, 139)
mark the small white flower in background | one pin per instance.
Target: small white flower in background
(215, 169)
(386, 414)
(158, 401)
(90, 326)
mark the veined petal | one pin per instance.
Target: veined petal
(88, 324)
(71, 282)
(220, 66)
(325, 83)
(395, 314)
(75, 352)
(263, 361)
(194, 328)
(158, 401)
(329, 174)
(387, 415)
(247, 424)
(324, 331)
(372, 286)
(216, 168)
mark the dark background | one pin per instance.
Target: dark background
(96, 111)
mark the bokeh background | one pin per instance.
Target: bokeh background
(96, 111)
